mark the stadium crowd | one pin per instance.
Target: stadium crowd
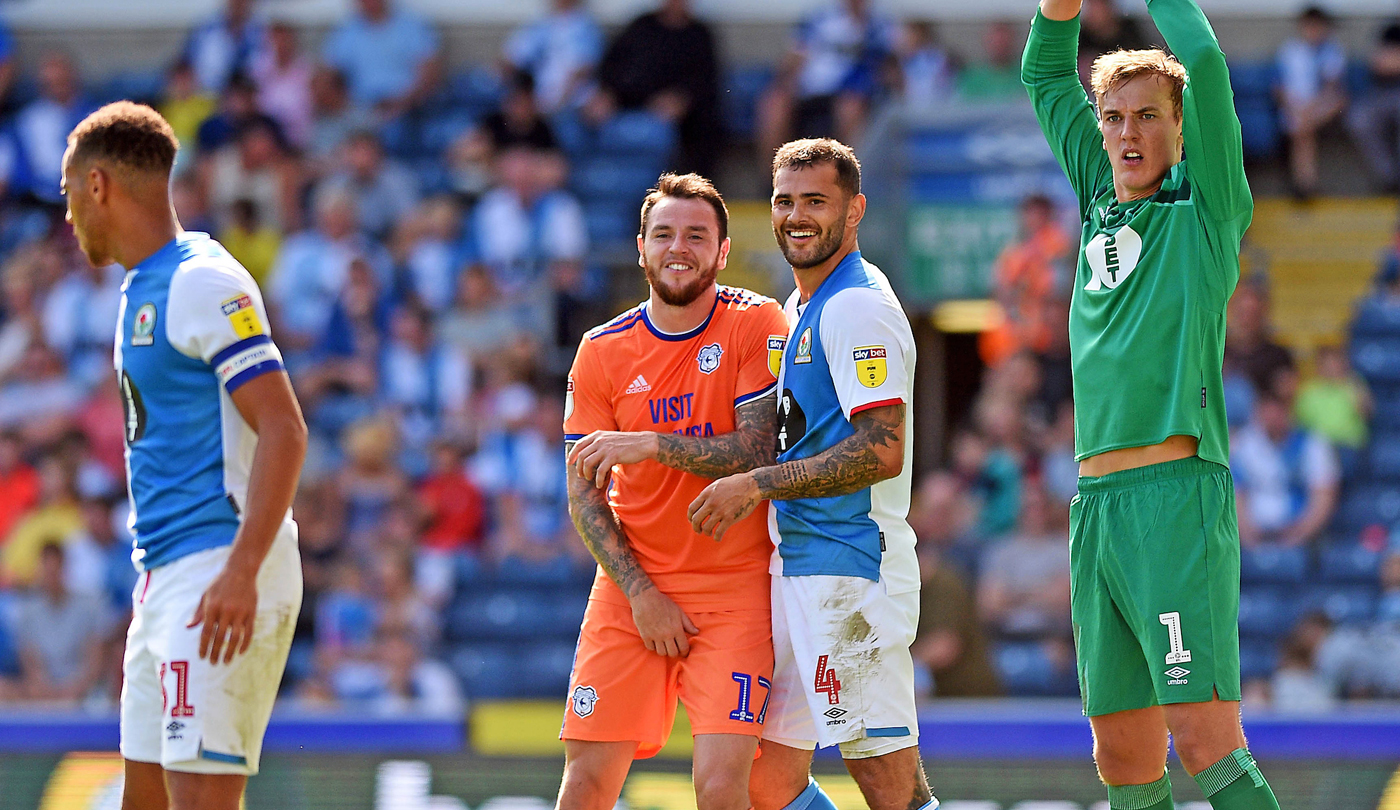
(428, 274)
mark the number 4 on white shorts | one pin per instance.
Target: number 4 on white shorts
(1176, 655)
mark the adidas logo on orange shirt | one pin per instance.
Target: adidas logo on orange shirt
(638, 386)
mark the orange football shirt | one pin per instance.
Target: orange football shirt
(628, 375)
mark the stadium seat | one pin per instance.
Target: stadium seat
(499, 613)
(439, 131)
(610, 224)
(1374, 318)
(1369, 505)
(527, 572)
(1257, 658)
(1259, 125)
(144, 86)
(1387, 409)
(636, 135)
(742, 87)
(1349, 562)
(486, 670)
(1377, 359)
(575, 137)
(1027, 671)
(1343, 604)
(1252, 79)
(1273, 564)
(544, 669)
(614, 178)
(1383, 457)
(1265, 611)
(477, 87)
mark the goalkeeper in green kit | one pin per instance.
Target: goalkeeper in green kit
(1155, 550)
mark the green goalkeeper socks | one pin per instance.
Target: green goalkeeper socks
(1235, 783)
(1154, 796)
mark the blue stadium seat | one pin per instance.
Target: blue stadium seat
(1349, 562)
(1387, 414)
(1383, 457)
(637, 135)
(499, 613)
(477, 86)
(1253, 78)
(1257, 658)
(527, 572)
(575, 137)
(1374, 318)
(742, 87)
(544, 669)
(1369, 505)
(1377, 359)
(610, 224)
(1265, 611)
(1343, 604)
(1260, 133)
(1026, 670)
(1273, 564)
(144, 86)
(1358, 78)
(486, 670)
(438, 132)
(614, 178)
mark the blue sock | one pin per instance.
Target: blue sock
(813, 798)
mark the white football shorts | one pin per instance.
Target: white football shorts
(842, 670)
(182, 711)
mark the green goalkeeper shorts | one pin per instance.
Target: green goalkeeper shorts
(1155, 586)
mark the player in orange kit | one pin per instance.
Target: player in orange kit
(667, 396)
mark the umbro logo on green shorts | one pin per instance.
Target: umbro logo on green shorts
(1177, 676)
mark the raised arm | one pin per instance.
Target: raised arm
(1049, 70)
(1210, 128)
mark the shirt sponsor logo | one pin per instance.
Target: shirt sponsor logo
(804, 347)
(708, 358)
(584, 699)
(242, 316)
(1112, 258)
(143, 328)
(776, 344)
(871, 368)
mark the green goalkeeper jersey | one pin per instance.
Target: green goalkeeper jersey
(1147, 316)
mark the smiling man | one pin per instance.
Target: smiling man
(846, 580)
(661, 399)
(1155, 550)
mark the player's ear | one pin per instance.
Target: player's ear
(855, 211)
(641, 253)
(723, 261)
(99, 184)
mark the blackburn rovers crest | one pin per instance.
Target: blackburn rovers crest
(708, 358)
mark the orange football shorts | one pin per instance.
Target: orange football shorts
(621, 691)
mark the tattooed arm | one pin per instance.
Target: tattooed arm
(749, 445)
(873, 453)
(663, 626)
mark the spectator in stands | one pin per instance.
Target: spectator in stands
(191, 206)
(1030, 274)
(528, 232)
(1374, 118)
(186, 106)
(224, 45)
(477, 324)
(61, 635)
(520, 468)
(926, 70)
(99, 556)
(283, 76)
(254, 243)
(1023, 590)
(1058, 468)
(559, 52)
(42, 127)
(1252, 356)
(519, 120)
(1311, 92)
(410, 681)
(453, 512)
(950, 647)
(339, 382)
(238, 112)
(26, 271)
(1286, 478)
(991, 477)
(1335, 403)
(400, 604)
(997, 75)
(1297, 686)
(9, 70)
(78, 316)
(371, 481)
(40, 398)
(384, 191)
(1103, 28)
(19, 482)
(389, 57)
(828, 78)
(333, 117)
(54, 519)
(254, 167)
(312, 269)
(427, 248)
(666, 62)
(426, 382)
(1362, 660)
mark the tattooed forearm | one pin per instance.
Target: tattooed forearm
(602, 534)
(873, 453)
(750, 445)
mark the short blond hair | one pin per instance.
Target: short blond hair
(1119, 67)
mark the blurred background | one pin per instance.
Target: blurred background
(438, 198)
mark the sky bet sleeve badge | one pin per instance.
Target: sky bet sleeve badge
(870, 365)
(776, 344)
(243, 316)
